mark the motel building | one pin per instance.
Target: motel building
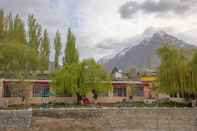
(122, 90)
(125, 89)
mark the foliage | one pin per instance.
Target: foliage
(22, 89)
(19, 30)
(2, 24)
(45, 49)
(154, 104)
(58, 46)
(18, 61)
(177, 72)
(81, 78)
(71, 53)
(34, 33)
(94, 76)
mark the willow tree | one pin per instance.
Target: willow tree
(95, 77)
(80, 79)
(173, 71)
(192, 81)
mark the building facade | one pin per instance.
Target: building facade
(40, 90)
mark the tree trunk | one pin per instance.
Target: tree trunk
(79, 98)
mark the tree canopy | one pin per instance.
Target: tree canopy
(177, 72)
(18, 61)
(79, 78)
(58, 46)
(15, 34)
(71, 53)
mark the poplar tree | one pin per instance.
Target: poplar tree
(58, 46)
(34, 33)
(19, 30)
(71, 53)
(2, 24)
(10, 30)
(45, 48)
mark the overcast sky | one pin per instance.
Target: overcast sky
(96, 21)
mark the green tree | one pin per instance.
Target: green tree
(19, 30)
(34, 33)
(193, 74)
(71, 53)
(79, 79)
(93, 77)
(2, 24)
(175, 72)
(58, 46)
(10, 29)
(45, 49)
(18, 61)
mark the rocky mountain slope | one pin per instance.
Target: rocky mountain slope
(144, 54)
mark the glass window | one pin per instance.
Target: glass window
(41, 90)
(139, 91)
(119, 91)
(6, 92)
(12, 90)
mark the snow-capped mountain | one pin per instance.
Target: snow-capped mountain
(143, 53)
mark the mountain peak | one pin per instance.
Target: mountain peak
(160, 33)
(144, 53)
(151, 31)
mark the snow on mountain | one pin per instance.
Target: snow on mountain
(143, 51)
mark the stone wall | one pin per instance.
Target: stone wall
(124, 119)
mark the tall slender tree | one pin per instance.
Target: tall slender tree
(10, 32)
(2, 24)
(71, 53)
(34, 33)
(45, 48)
(19, 30)
(58, 46)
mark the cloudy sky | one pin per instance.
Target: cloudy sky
(101, 25)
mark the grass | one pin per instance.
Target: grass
(154, 104)
(119, 104)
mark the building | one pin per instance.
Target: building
(39, 92)
(125, 91)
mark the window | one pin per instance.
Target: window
(119, 91)
(6, 92)
(41, 90)
(10, 91)
(139, 91)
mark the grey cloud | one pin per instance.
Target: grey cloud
(108, 44)
(160, 7)
(49, 13)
